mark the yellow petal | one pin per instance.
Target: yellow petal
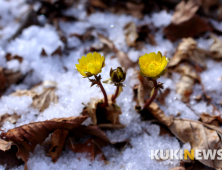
(158, 57)
(164, 62)
(80, 70)
(89, 57)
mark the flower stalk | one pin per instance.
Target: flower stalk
(153, 95)
(116, 94)
(98, 82)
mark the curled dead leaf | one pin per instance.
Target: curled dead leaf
(58, 139)
(9, 118)
(4, 145)
(42, 100)
(122, 57)
(185, 23)
(215, 48)
(185, 85)
(100, 115)
(131, 34)
(188, 51)
(91, 146)
(26, 137)
(201, 136)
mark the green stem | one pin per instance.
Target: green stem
(103, 91)
(116, 94)
(151, 99)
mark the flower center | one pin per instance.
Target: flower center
(153, 65)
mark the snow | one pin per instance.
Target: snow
(74, 92)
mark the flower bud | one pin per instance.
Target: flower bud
(117, 75)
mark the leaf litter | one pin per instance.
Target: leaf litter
(43, 102)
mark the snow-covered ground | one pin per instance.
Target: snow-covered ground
(73, 91)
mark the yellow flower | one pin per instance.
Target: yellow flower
(153, 65)
(90, 65)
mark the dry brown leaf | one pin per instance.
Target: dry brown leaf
(57, 51)
(215, 48)
(212, 8)
(109, 114)
(142, 90)
(43, 53)
(159, 114)
(44, 99)
(94, 131)
(4, 145)
(201, 136)
(98, 4)
(12, 77)
(184, 11)
(131, 34)
(210, 119)
(8, 157)
(2, 80)
(30, 93)
(161, 98)
(188, 50)
(111, 126)
(135, 9)
(185, 85)
(9, 57)
(58, 139)
(185, 23)
(112, 111)
(26, 137)
(91, 109)
(91, 146)
(9, 118)
(122, 57)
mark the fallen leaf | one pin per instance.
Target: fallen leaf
(135, 9)
(112, 111)
(94, 131)
(185, 23)
(215, 48)
(57, 51)
(42, 100)
(212, 9)
(122, 57)
(91, 110)
(188, 51)
(12, 77)
(4, 145)
(109, 114)
(9, 57)
(210, 119)
(201, 136)
(184, 11)
(185, 85)
(8, 157)
(161, 98)
(159, 114)
(9, 118)
(26, 137)
(43, 53)
(58, 139)
(2, 80)
(131, 34)
(91, 146)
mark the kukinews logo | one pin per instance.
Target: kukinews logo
(184, 154)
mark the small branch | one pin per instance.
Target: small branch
(103, 91)
(116, 94)
(153, 96)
